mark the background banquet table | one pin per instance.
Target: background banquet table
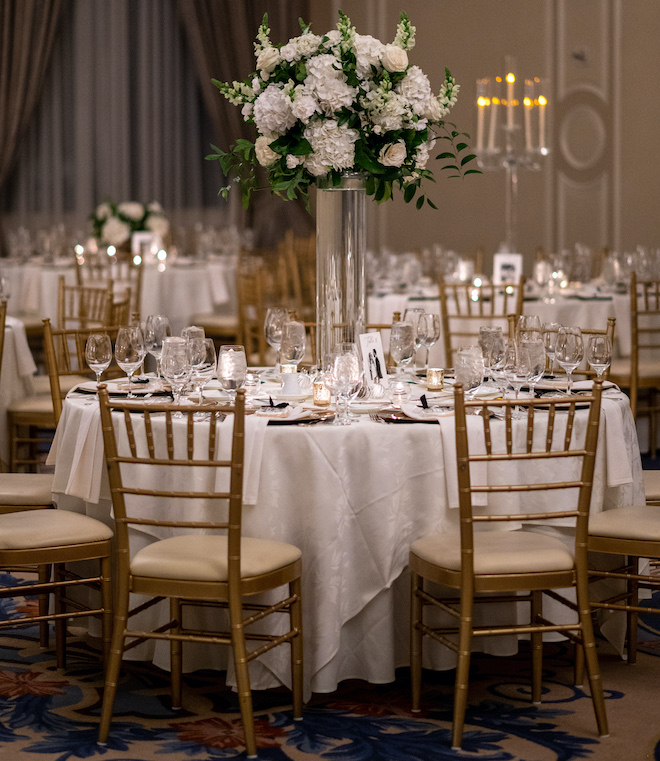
(353, 499)
(18, 367)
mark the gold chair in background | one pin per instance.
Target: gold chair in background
(192, 568)
(583, 369)
(82, 306)
(507, 566)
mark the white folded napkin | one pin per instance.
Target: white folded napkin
(24, 360)
(417, 412)
(282, 413)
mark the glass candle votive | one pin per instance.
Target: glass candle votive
(399, 394)
(435, 379)
(321, 394)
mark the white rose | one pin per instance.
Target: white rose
(115, 232)
(393, 154)
(103, 211)
(265, 155)
(131, 209)
(293, 161)
(155, 207)
(394, 58)
(267, 60)
(158, 224)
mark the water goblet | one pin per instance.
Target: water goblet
(428, 331)
(469, 369)
(569, 352)
(292, 346)
(5, 288)
(491, 340)
(232, 368)
(129, 352)
(275, 318)
(203, 364)
(98, 354)
(413, 316)
(343, 376)
(529, 326)
(550, 330)
(599, 353)
(402, 345)
(517, 370)
(176, 366)
(536, 351)
(157, 327)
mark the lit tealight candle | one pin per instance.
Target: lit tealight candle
(435, 378)
(320, 394)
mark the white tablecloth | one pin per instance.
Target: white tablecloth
(15, 379)
(353, 499)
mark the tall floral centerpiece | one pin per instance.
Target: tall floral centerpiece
(349, 114)
(113, 223)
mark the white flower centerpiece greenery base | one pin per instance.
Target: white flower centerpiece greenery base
(114, 223)
(341, 103)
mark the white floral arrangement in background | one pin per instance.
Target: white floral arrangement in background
(323, 105)
(114, 223)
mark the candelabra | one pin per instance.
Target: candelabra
(503, 142)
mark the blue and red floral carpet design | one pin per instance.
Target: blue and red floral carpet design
(51, 715)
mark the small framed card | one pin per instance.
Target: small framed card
(375, 370)
(507, 268)
(143, 242)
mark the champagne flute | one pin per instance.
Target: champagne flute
(98, 354)
(292, 346)
(275, 318)
(428, 331)
(232, 368)
(599, 353)
(129, 352)
(550, 330)
(402, 345)
(569, 352)
(157, 327)
(176, 367)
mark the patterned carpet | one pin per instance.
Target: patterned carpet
(52, 715)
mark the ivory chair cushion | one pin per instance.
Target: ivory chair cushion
(648, 367)
(38, 403)
(497, 552)
(49, 528)
(26, 488)
(217, 322)
(630, 522)
(203, 557)
(652, 484)
(41, 383)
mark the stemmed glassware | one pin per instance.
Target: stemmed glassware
(176, 366)
(569, 352)
(5, 288)
(536, 352)
(529, 326)
(98, 354)
(413, 315)
(428, 333)
(491, 341)
(550, 330)
(599, 353)
(292, 346)
(275, 318)
(232, 368)
(517, 369)
(130, 352)
(157, 327)
(469, 369)
(343, 376)
(402, 345)
(203, 363)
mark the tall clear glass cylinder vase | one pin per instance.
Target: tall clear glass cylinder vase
(341, 239)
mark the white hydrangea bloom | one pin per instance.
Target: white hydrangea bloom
(423, 153)
(115, 232)
(131, 209)
(324, 66)
(158, 224)
(368, 52)
(333, 146)
(272, 111)
(387, 110)
(246, 111)
(103, 211)
(267, 60)
(300, 47)
(304, 105)
(155, 207)
(334, 39)
(333, 95)
(415, 88)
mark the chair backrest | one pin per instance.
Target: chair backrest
(121, 309)
(65, 357)
(552, 448)
(81, 306)
(3, 319)
(465, 307)
(95, 270)
(254, 298)
(584, 369)
(644, 329)
(179, 461)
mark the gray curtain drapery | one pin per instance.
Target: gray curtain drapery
(27, 30)
(221, 35)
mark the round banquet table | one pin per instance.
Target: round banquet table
(353, 498)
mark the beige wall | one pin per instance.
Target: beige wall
(601, 56)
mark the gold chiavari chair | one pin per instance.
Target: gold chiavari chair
(510, 566)
(191, 568)
(465, 307)
(81, 306)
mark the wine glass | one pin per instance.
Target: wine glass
(550, 330)
(343, 376)
(98, 354)
(275, 318)
(203, 363)
(517, 369)
(599, 353)
(491, 340)
(569, 352)
(129, 352)
(157, 327)
(175, 365)
(413, 316)
(232, 368)
(402, 345)
(536, 352)
(292, 346)
(529, 326)
(5, 288)
(428, 332)
(469, 368)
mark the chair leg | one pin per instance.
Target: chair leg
(243, 683)
(536, 641)
(416, 639)
(60, 623)
(462, 669)
(578, 666)
(114, 662)
(44, 573)
(107, 603)
(632, 617)
(295, 588)
(175, 654)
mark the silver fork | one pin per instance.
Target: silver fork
(376, 418)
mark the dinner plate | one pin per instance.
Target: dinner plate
(368, 405)
(290, 397)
